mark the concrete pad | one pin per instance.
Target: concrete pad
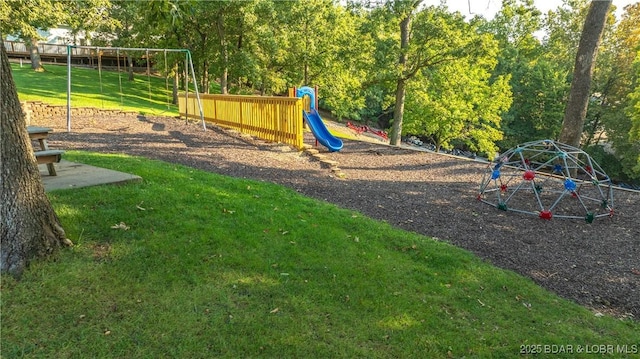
(76, 175)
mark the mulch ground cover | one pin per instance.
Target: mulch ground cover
(594, 264)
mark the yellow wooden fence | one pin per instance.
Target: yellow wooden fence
(276, 119)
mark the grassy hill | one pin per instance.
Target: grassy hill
(190, 264)
(88, 88)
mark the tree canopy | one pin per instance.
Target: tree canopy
(481, 84)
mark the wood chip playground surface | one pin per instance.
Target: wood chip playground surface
(596, 265)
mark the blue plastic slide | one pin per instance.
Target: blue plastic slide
(321, 132)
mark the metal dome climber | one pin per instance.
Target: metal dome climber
(548, 179)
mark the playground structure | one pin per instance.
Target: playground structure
(277, 119)
(272, 118)
(188, 65)
(314, 121)
(364, 128)
(548, 179)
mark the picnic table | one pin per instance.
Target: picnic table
(44, 155)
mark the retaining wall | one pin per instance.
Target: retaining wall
(40, 112)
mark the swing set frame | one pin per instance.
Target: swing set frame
(188, 67)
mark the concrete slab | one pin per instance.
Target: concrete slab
(76, 175)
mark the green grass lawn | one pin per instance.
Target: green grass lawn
(89, 90)
(217, 267)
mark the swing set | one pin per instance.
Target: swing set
(188, 67)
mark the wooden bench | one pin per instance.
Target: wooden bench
(45, 155)
(48, 157)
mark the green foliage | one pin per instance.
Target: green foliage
(541, 75)
(454, 98)
(563, 27)
(539, 95)
(5, 11)
(616, 81)
(515, 24)
(351, 50)
(631, 156)
(24, 18)
(608, 161)
(457, 103)
(539, 85)
(346, 69)
(192, 264)
(86, 16)
(127, 25)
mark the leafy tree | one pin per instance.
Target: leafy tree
(345, 61)
(4, 13)
(616, 77)
(312, 25)
(562, 28)
(405, 71)
(263, 59)
(538, 83)
(458, 102)
(205, 31)
(154, 24)
(23, 18)
(605, 119)
(633, 110)
(539, 89)
(86, 16)
(123, 29)
(288, 44)
(575, 113)
(380, 83)
(195, 25)
(29, 228)
(410, 39)
(245, 69)
(217, 32)
(621, 111)
(605, 85)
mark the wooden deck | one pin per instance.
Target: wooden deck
(56, 53)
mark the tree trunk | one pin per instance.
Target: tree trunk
(204, 86)
(395, 137)
(34, 54)
(29, 228)
(223, 81)
(176, 84)
(305, 55)
(576, 110)
(130, 70)
(224, 55)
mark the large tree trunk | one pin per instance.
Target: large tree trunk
(29, 228)
(398, 112)
(395, 137)
(34, 54)
(576, 110)
(224, 55)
